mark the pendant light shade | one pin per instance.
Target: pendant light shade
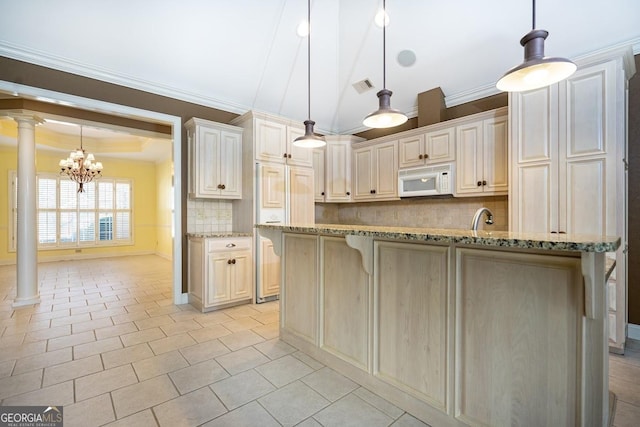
(309, 139)
(537, 70)
(384, 116)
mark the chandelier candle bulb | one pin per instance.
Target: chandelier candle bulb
(80, 168)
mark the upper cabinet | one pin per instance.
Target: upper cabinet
(318, 174)
(274, 143)
(215, 159)
(338, 167)
(434, 146)
(481, 157)
(375, 172)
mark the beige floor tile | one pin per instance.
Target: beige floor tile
(88, 309)
(42, 360)
(275, 348)
(377, 402)
(145, 335)
(70, 340)
(54, 395)
(209, 333)
(408, 420)
(140, 419)
(19, 351)
(293, 403)
(105, 381)
(91, 412)
(121, 302)
(240, 389)
(126, 355)
(351, 410)
(154, 322)
(313, 363)
(180, 327)
(184, 315)
(21, 327)
(68, 320)
(268, 317)
(10, 340)
(191, 409)
(626, 415)
(309, 422)
(241, 339)
(268, 331)
(136, 397)
(249, 415)
(130, 317)
(20, 383)
(330, 384)
(241, 311)
(50, 315)
(161, 311)
(114, 331)
(91, 324)
(63, 306)
(46, 334)
(158, 365)
(242, 324)
(6, 368)
(107, 313)
(171, 343)
(204, 351)
(197, 376)
(70, 370)
(141, 307)
(212, 318)
(283, 371)
(241, 360)
(96, 347)
(267, 306)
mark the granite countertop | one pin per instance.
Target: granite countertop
(507, 239)
(222, 234)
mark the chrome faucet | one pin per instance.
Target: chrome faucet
(476, 218)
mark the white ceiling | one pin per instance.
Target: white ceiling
(238, 55)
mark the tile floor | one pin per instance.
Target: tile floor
(108, 344)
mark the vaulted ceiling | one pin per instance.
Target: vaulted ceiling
(238, 55)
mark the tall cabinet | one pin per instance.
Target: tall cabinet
(567, 157)
(278, 187)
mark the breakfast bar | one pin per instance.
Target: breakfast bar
(457, 327)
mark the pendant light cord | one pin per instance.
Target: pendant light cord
(309, 60)
(384, 44)
(533, 24)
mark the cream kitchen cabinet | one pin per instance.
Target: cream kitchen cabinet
(568, 148)
(220, 272)
(434, 146)
(481, 156)
(215, 159)
(318, 174)
(375, 171)
(274, 143)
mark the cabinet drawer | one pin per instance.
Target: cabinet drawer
(223, 244)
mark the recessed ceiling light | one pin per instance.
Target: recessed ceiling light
(382, 18)
(303, 29)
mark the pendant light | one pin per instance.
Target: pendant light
(384, 116)
(537, 70)
(309, 139)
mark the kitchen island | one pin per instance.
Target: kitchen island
(457, 327)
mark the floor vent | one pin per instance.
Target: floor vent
(363, 85)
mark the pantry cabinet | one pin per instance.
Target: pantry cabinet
(220, 272)
(481, 156)
(215, 159)
(375, 172)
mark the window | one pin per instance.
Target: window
(100, 216)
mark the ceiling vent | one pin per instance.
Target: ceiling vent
(363, 85)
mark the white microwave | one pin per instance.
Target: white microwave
(426, 181)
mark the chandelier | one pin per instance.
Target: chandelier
(80, 166)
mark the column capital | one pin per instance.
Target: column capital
(23, 116)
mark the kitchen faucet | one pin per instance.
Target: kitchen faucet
(476, 218)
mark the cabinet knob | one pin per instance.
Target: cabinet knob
(289, 156)
(479, 183)
(284, 155)
(373, 191)
(219, 186)
(222, 186)
(322, 194)
(231, 245)
(420, 156)
(348, 193)
(228, 261)
(233, 261)
(484, 182)
(426, 156)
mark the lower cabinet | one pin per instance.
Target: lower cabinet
(220, 272)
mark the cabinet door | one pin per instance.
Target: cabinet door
(272, 186)
(269, 264)
(230, 165)
(240, 276)
(495, 146)
(411, 151)
(207, 159)
(301, 204)
(297, 156)
(271, 141)
(318, 174)
(440, 146)
(363, 173)
(338, 171)
(217, 286)
(469, 158)
(386, 170)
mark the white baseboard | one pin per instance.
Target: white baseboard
(633, 331)
(168, 257)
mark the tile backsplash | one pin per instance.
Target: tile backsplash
(209, 216)
(416, 212)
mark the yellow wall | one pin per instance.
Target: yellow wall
(163, 179)
(145, 204)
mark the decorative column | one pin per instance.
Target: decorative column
(27, 238)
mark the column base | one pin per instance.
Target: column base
(21, 302)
